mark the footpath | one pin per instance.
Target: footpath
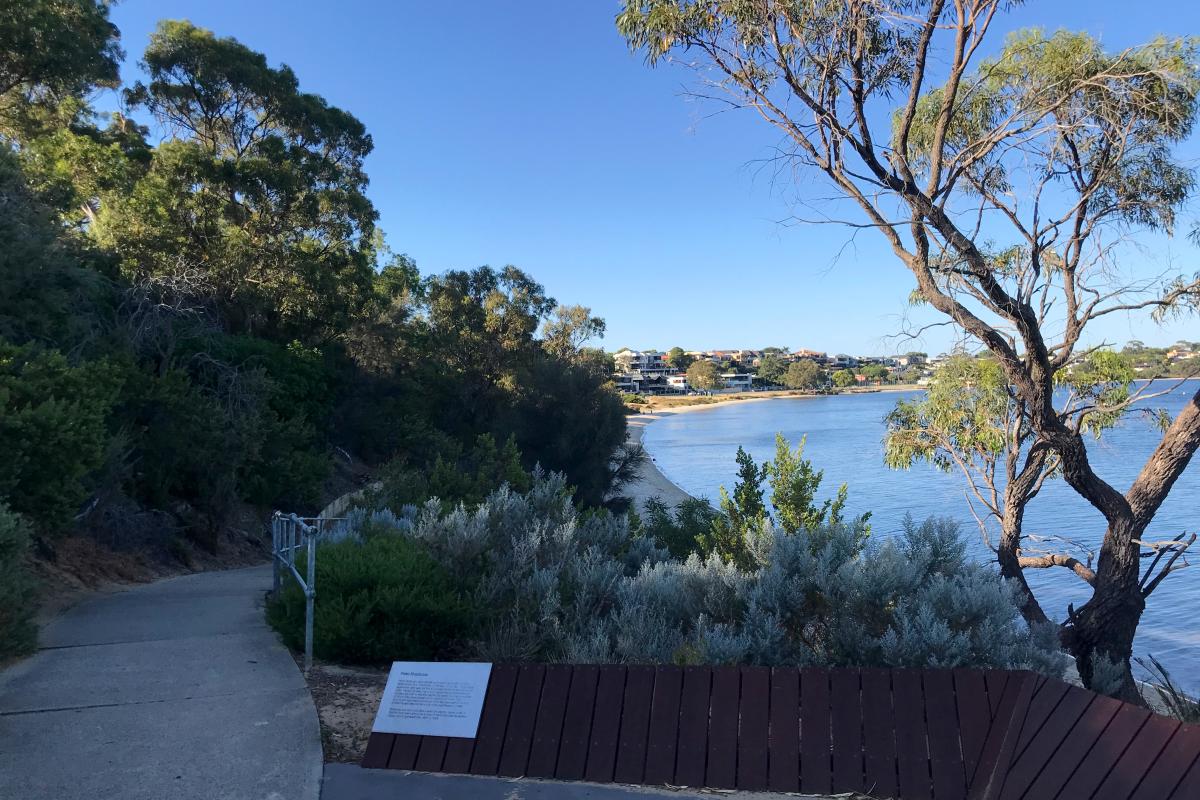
(177, 689)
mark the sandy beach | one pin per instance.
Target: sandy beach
(650, 481)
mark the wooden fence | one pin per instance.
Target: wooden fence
(909, 734)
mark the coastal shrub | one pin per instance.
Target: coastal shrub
(380, 598)
(455, 474)
(552, 584)
(18, 635)
(679, 532)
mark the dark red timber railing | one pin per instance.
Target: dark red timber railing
(888, 733)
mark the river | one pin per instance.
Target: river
(696, 451)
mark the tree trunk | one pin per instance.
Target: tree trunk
(1008, 554)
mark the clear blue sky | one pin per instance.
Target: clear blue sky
(525, 133)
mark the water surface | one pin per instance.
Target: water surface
(845, 433)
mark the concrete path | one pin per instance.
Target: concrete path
(177, 689)
(350, 782)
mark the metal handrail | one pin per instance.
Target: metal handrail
(289, 533)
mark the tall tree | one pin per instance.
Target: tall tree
(260, 188)
(703, 375)
(51, 50)
(1051, 147)
(803, 374)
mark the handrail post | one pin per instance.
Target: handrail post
(276, 578)
(310, 593)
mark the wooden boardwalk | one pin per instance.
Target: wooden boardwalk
(909, 734)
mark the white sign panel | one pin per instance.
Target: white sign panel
(431, 698)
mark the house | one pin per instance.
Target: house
(647, 362)
(677, 383)
(737, 381)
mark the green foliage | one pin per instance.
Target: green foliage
(52, 49)
(843, 378)
(263, 192)
(772, 369)
(794, 485)
(1101, 381)
(231, 314)
(742, 515)
(966, 412)
(678, 359)
(559, 585)
(681, 532)
(455, 475)
(793, 506)
(18, 634)
(803, 374)
(385, 599)
(52, 429)
(703, 375)
(46, 294)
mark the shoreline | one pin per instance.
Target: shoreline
(651, 482)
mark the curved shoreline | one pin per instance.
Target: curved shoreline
(651, 482)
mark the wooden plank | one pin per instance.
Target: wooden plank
(518, 737)
(493, 720)
(945, 751)
(783, 751)
(693, 727)
(1107, 751)
(635, 725)
(974, 716)
(379, 748)
(547, 727)
(996, 681)
(879, 733)
(721, 771)
(1138, 759)
(1074, 747)
(912, 753)
(606, 725)
(458, 756)
(577, 724)
(1029, 764)
(816, 767)
(754, 727)
(431, 754)
(1171, 765)
(847, 735)
(1189, 787)
(664, 726)
(1041, 709)
(1002, 736)
(404, 751)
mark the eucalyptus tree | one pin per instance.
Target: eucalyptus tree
(940, 139)
(51, 50)
(259, 186)
(703, 375)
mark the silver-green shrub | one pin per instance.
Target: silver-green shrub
(554, 584)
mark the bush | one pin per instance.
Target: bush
(558, 585)
(53, 430)
(379, 599)
(18, 635)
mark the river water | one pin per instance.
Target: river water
(696, 451)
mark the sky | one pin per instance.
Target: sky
(526, 133)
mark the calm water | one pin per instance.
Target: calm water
(696, 450)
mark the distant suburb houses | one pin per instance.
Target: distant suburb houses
(657, 372)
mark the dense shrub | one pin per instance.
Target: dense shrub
(17, 632)
(680, 532)
(452, 473)
(555, 584)
(379, 599)
(53, 429)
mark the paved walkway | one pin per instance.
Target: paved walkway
(177, 689)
